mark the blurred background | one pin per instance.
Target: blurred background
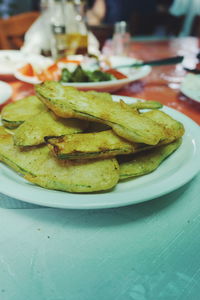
(162, 18)
(146, 19)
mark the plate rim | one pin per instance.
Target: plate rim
(191, 169)
(184, 89)
(13, 51)
(21, 54)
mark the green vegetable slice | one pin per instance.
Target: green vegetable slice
(39, 166)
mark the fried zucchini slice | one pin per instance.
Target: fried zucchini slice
(97, 127)
(40, 167)
(32, 132)
(91, 145)
(147, 161)
(146, 105)
(14, 114)
(77, 176)
(68, 102)
(107, 143)
(102, 95)
(173, 128)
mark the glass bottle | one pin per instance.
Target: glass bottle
(58, 28)
(76, 29)
(121, 39)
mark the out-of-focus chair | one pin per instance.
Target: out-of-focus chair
(196, 27)
(12, 30)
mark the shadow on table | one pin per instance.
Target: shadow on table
(107, 217)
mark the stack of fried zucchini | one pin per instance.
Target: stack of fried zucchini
(80, 142)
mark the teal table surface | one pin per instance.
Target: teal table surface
(148, 251)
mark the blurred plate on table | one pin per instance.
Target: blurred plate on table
(190, 87)
(10, 59)
(131, 74)
(174, 172)
(5, 92)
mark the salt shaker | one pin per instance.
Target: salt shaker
(121, 39)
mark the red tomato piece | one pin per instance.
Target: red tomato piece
(51, 73)
(27, 70)
(116, 73)
(66, 60)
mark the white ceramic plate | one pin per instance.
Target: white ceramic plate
(11, 59)
(190, 87)
(104, 86)
(5, 92)
(174, 172)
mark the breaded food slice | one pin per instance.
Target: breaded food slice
(97, 127)
(40, 167)
(107, 143)
(14, 114)
(100, 95)
(33, 131)
(68, 102)
(173, 128)
(91, 145)
(147, 161)
(146, 104)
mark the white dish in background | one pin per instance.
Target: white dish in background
(190, 86)
(132, 74)
(5, 92)
(11, 59)
(174, 172)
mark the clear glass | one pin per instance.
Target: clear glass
(187, 47)
(174, 76)
(69, 31)
(58, 28)
(44, 5)
(76, 29)
(121, 39)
